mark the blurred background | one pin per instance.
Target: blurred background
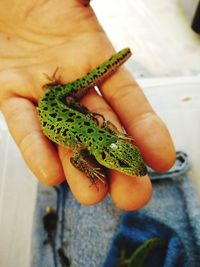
(159, 33)
(165, 62)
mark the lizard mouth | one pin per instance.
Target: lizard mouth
(123, 164)
(140, 170)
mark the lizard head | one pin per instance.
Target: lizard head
(122, 156)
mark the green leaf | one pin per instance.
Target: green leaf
(122, 262)
(139, 256)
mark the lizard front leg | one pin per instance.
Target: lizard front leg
(111, 128)
(79, 161)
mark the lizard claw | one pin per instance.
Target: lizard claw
(99, 175)
(96, 173)
(53, 80)
(126, 137)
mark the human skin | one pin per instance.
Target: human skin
(38, 36)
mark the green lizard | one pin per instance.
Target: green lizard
(70, 124)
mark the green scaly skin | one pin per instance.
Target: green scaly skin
(69, 124)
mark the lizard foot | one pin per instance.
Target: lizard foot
(93, 173)
(96, 173)
(53, 80)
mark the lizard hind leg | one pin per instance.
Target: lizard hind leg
(71, 102)
(80, 162)
(53, 80)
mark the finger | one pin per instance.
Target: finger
(37, 150)
(139, 120)
(78, 182)
(80, 185)
(128, 192)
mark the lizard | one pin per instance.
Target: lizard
(68, 123)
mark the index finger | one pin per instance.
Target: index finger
(139, 119)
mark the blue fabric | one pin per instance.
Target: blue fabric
(173, 214)
(134, 230)
(94, 236)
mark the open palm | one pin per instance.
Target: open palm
(42, 36)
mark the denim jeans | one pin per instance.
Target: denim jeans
(94, 236)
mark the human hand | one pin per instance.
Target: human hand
(44, 35)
